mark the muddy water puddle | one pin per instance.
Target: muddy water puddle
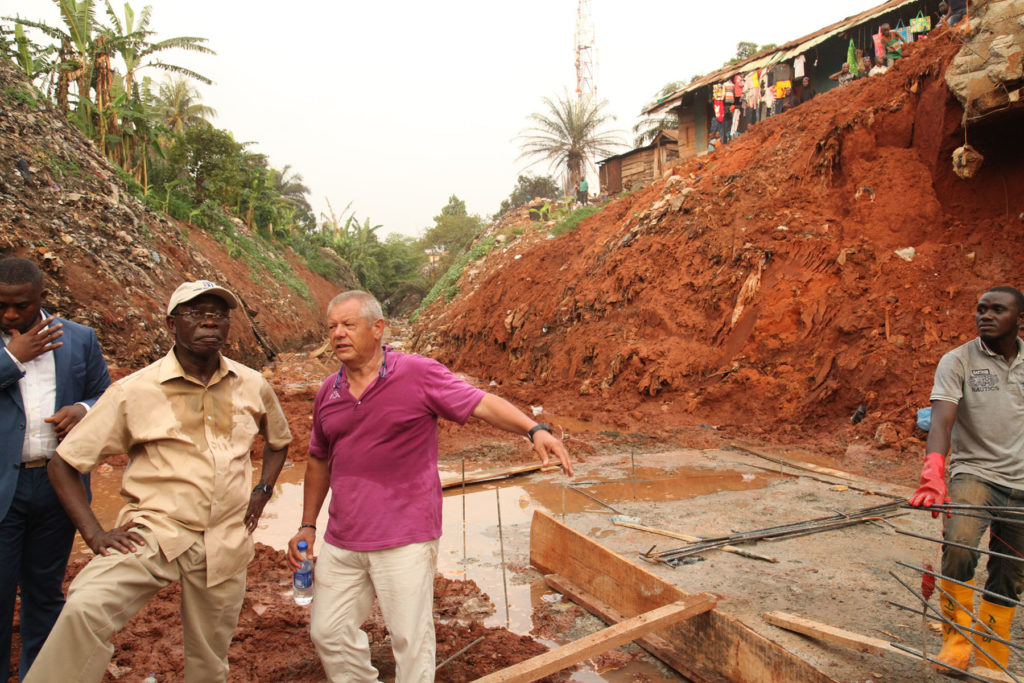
(483, 525)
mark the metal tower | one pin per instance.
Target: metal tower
(585, 88)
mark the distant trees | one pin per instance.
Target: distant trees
(453, 230)
(161, 136)
(528, 187)
(569, 134)
(746, 50)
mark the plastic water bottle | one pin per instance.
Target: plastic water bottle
(150, 678)
(302, 581)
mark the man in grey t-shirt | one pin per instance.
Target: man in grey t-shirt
(978, 418)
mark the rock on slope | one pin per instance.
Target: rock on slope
(111, 262)
(823, 260)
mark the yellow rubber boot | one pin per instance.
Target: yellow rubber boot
(997, 618)
(956, 649)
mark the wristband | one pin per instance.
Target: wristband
(265, 488)
(537, 428)
(307, 526)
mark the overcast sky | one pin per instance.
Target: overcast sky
(395, 106)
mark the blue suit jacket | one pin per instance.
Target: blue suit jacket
(81, 377)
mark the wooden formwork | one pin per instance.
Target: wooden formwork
(709, 647)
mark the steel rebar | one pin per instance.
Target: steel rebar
(942, 616)
(907, 608)
(992, 553)
(791, 530)
(460, 652)
(595, 499)
(501, 541)
(959, 583)
(962, 513)
(933, 660)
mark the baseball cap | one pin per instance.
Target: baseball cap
(190, 290)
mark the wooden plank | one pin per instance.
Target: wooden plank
(854, 481)
(656, 645)
(691, 539)
(831, 634)
(717, 645)
(606, 639)
(800, 465)
(450, 480)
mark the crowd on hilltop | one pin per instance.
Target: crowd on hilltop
(747, 98)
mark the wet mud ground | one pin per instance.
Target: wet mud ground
(691, 481)
(840, 578)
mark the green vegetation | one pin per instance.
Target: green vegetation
(174, 160)
(447, 284)
(572, 221)
(91, 67)
(18, 95)
(453, 230)
(528, 187)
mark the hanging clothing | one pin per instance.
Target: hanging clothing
(798, 67)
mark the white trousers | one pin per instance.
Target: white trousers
(345, 582)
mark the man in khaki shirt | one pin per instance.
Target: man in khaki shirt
(187, 423)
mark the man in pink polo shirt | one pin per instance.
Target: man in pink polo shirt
(374, 445)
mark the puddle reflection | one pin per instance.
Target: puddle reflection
(471, 543)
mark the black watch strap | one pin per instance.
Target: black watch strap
(537, 428)
(265, 488)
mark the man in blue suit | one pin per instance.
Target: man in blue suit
(51, 372)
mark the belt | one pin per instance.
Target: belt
(33, 464)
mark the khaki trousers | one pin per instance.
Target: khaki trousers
(344, 585)
(111, 589)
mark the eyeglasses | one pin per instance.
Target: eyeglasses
(202, 317)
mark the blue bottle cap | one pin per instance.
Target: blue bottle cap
(303, 545)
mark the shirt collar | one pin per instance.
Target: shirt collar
(989, 352)
(387, 366)
(170, 368)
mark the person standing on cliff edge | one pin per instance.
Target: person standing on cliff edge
(187, 423)
(977, 417)
(374, 445)
(51, 372)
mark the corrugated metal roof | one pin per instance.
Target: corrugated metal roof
(781, 53)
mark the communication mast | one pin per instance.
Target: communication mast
(585, 88)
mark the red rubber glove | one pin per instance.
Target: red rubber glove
(933, 483)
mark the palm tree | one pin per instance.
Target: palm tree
(646, 129)
(289, 185)
(569, 135)
(177, 105)
(134, 47)
(77, 47)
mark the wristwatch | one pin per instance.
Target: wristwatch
(537, 428)
(266, 488)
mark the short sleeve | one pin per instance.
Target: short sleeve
(101, 433)
(448, 396)
(949, 379)
(276, 431)
(318, 444)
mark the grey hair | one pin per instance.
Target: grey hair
(369, 306)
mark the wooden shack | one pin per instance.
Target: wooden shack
(825, 50)
(640, 166)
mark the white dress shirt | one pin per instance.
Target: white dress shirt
(39, 395)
